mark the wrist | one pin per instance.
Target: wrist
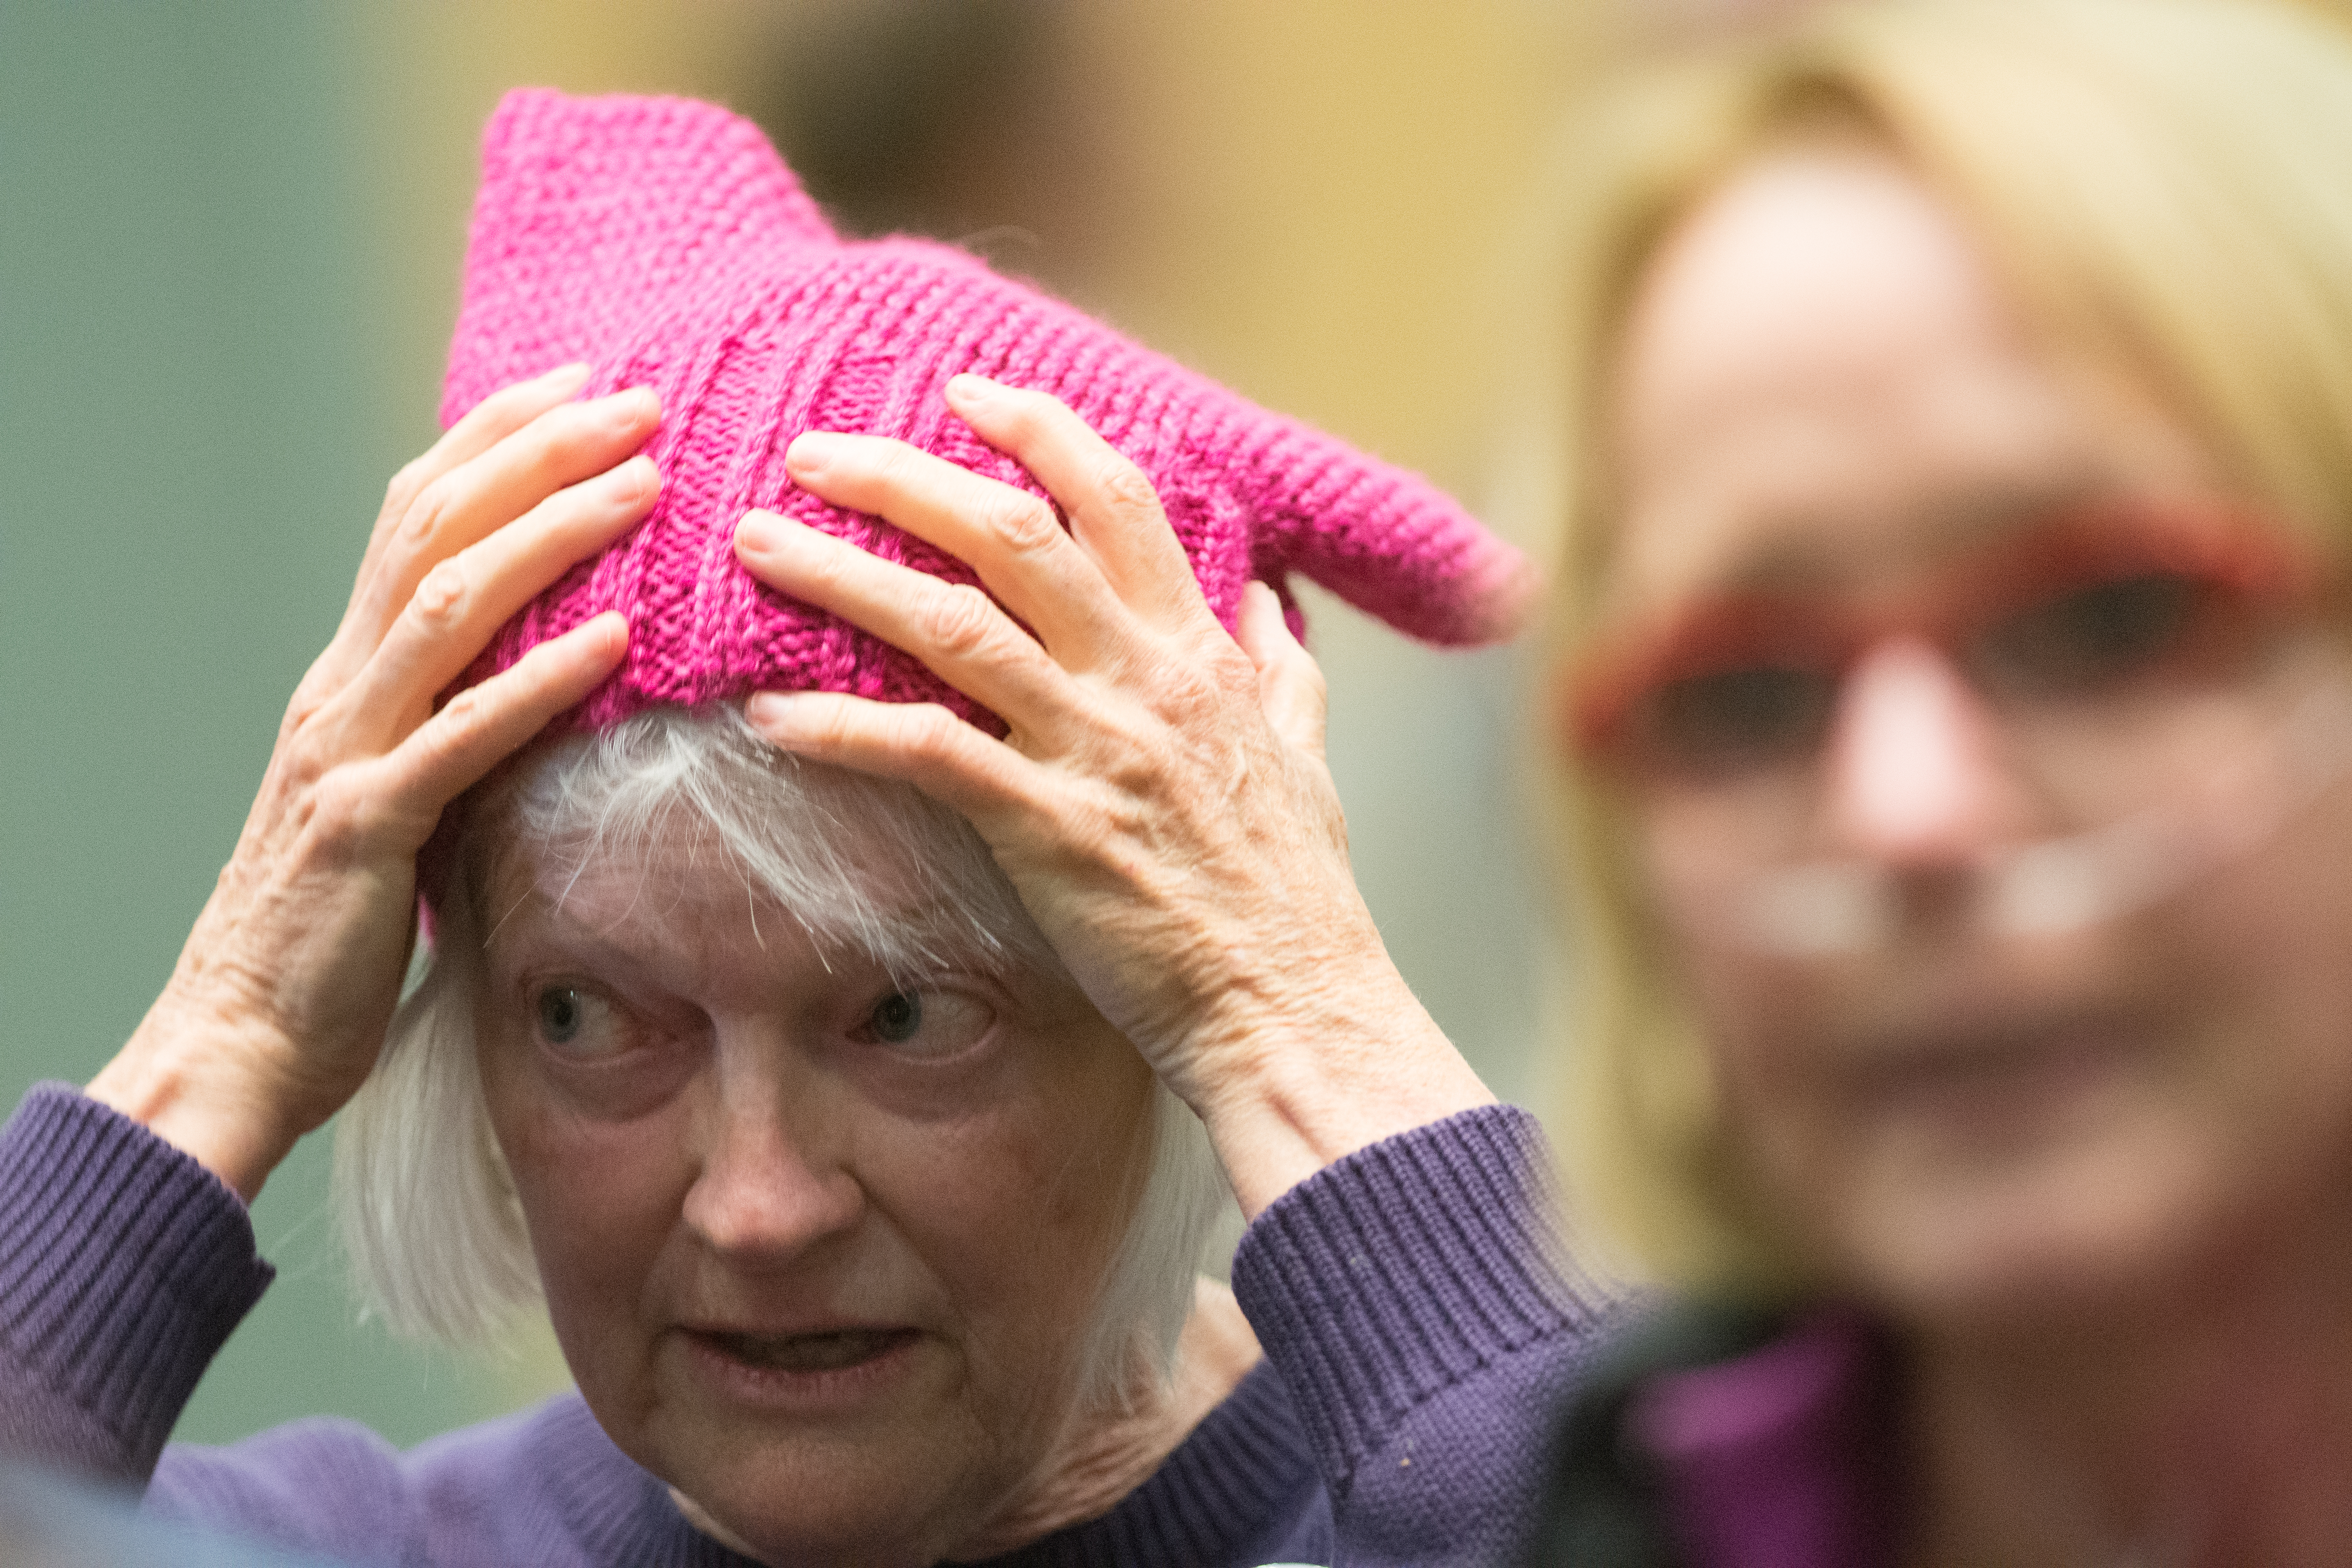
(1340, 1065)
(193, 1082)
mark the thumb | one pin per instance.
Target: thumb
(1289, 683)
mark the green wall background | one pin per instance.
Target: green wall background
(192, 442)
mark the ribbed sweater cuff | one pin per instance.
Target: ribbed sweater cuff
(124, 1264)
(1389, 1277)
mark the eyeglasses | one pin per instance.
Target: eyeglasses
(2126, 649)
(2100, 601)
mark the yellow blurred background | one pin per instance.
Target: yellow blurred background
(1302, 199)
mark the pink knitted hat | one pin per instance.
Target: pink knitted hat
(664, 241)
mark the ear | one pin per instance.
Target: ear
(589, 205)
(1387, 541)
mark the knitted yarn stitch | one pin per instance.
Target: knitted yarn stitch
(666, 243)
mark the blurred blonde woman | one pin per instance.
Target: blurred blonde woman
(1959, 706)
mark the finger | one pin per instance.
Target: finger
(1114, 511)
(1289, 682)
(1010, 538)
(488, 422)
(921, 742)
(562, 446)
(958, 632)
(483, 725)
(463, 601)
(485, 425)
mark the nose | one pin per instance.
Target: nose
(770, 1185)
(1915, 780)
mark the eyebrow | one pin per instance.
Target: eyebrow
(1803, 551)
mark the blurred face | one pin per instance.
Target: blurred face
(1970, 729)
(819, 1244)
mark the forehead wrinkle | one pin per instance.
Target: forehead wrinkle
(499, 924)
(913, 937)
(640, 941)
(852, 880)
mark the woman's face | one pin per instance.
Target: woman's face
(1825, 403)
(819, 1245)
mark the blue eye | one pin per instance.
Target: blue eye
(577, 1021)
(896, 1018)
(561, 1014)
(932, 1023)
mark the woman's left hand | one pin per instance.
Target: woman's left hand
(1161, 802)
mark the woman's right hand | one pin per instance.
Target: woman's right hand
(277, 1006)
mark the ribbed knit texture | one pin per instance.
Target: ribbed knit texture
(1299, 1464)
(1413, 1295)
(101, 1347)
(664, 242)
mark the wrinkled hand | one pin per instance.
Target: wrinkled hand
(279, 1005)
(1160, 803)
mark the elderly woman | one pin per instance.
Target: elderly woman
(856, 1134)
(1962, 706)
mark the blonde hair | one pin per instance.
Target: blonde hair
(2160, 184)
(429, 1218)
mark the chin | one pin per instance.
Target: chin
(809, 1507)
(878, 1492)
(2032, 1241)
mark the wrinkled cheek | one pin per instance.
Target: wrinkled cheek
(1088, 1196)
(1037, 1220)
(600, 1203)
(1039, 1227)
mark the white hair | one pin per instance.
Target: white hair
(428, 1211)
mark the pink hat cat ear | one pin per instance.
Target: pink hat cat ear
(588, 208)
(1386, 542)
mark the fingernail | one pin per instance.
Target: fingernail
(613, 628)
(633, 404)
(760, 534)
(779, 715)
(634, 478)
(566, 377)
(969, 390)
(810, 450)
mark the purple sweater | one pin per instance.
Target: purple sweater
(1418, 1330)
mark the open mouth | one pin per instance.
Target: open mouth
(832, 1352)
